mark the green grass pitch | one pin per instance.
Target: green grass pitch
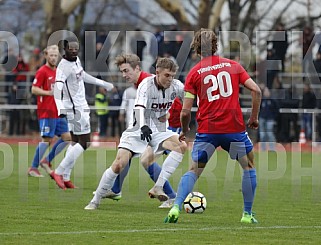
(35, 211)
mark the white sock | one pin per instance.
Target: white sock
(70, 158)
(105, 184)
(170, 164)
(67, 172)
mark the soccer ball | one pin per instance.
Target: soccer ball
(195, 202)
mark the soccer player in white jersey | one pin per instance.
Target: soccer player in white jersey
(69, 93)
(129, 66)
(155, 96)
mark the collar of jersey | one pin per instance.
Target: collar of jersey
(159, 87)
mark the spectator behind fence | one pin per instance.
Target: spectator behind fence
(9, 62)
(157, 48)
(36, 60)
(138, 44)
(309, 101)
(191, 62)
(268, 115)
(280, 47)
(318, 116)
(115, 100)
(317, 66)
(267, 70)
(101, 103)
(18, 95)
(307, 46)
(288, 120)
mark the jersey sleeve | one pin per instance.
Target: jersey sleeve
(243, 74)
(190, 83)
(62, 73)
(39, 79)
(180, 94)
(124, 103)
(142, 95)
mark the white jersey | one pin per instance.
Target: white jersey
(71, 73)
(157, 101)
(128, 103)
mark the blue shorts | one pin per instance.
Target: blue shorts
(236, 144)
(49, 127)
(176, 130)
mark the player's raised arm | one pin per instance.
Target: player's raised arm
(256, 94)
(92, 80)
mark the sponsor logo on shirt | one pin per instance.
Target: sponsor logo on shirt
(162, 105)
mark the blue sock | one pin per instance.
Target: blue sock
(185, 186)
(118, 184)
(56, 149)
(154, 171)
(40, 151)
(248, 188)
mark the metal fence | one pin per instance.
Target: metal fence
(27, 104)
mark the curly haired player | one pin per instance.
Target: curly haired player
(215, 82)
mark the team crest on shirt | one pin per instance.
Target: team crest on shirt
(78, 75)
(173, 95)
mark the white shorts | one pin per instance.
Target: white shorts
(131, 140)
(79, 123)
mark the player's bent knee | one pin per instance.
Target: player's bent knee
(117, 166)
(250, 157)
(47, 140)
(180, 147)
(146, 162)
(251, 164)
(119, 163)
(197, 168)
(183, 146)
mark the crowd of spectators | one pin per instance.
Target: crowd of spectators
(302, 92)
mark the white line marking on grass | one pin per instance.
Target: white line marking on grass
(251, 227)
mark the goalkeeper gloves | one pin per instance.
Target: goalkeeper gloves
(146, 133)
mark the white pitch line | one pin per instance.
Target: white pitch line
(251, 227)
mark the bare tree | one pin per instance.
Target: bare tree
(208, 12)
(176, 9)
(57, 13)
